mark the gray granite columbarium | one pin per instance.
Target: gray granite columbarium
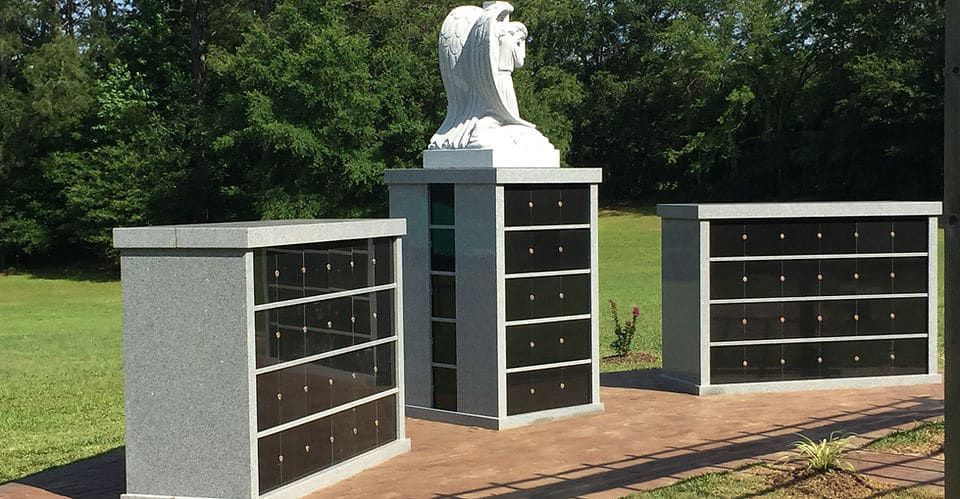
(799, 296)
(501, 250)
(261, 359)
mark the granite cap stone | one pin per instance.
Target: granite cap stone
(256, 234)
(720, 211)
(499, 176)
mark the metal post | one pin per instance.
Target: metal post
(951, 278)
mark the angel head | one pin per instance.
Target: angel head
(513, 45)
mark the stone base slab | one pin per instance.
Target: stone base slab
(493, 423)
(684, 386)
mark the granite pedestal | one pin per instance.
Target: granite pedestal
(261, 359)
(799, 296)
(500, 293)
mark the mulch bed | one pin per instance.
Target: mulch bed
(632, 358)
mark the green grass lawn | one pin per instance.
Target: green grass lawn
(923, 439)
(61, 395)
(770, 482)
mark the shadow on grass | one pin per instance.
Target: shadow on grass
(79, 274)
(103, 475)
(625, 209)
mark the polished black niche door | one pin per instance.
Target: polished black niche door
(539, 297)
(526, 205)
(305, 449)
(537, 344)
(547, 250)
(291, 272)
(548, 389)
(295, 392)
(298, 331)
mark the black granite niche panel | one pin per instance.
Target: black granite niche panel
(295, 392)
(548, 389)
(828, 277)
(443, 250)
(537, 344)
(540, 297)
(443, 296)
(444, 342)
(911, 235)
(305, 449)
(442, 209)
(750, 279)
(819, 360)
(445, 388)
(545, 250)
(292, 272)
(526, 205)
(828, 236)
(298, 331)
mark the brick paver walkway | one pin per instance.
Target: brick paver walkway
(901, 470)
(646, 438)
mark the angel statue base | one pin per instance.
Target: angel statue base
(479, 50)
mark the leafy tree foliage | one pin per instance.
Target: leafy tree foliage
(160, 111)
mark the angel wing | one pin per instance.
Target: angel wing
(453, 36)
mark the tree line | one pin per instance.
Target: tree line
(134, 112)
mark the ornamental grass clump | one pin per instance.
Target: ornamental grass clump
(624, 332)
(829, 454)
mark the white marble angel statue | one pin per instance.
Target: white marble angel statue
(479, 50)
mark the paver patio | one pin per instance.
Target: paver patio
(646, 438)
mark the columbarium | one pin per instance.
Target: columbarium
(794, 296)
(261, 359)
(501, 249)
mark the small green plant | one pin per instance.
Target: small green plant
(826, 455)
(624, 332)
